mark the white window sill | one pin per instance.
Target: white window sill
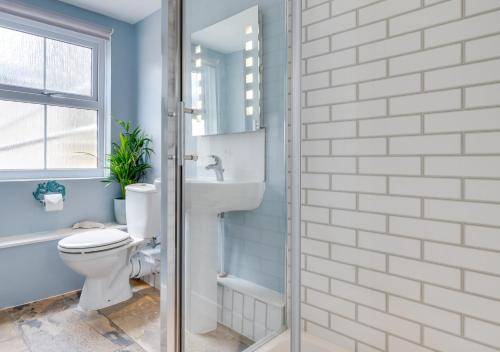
(45, 179)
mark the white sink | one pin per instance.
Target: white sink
(205, 199)
(208, 195)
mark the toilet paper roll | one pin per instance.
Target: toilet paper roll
(53, 202)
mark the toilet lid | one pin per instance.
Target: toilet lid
(95, 240)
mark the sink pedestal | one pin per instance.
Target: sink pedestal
(202, 254)
(204, 200)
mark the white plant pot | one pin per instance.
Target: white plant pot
(120, 213)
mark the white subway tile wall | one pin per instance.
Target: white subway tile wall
(401, 174)
(252, 317)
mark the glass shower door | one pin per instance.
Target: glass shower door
(224, 180)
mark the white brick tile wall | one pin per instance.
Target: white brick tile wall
(464, 75)
(483, 48)
(425, 187)
(390, 87)
(483, 237)
(390, 47)
(450, 343)
(398, 345)
(424, 271)
(473, 166)
(390, 165)
(331, 269)
(317, 282)
(331, 95)
(357, 183)
(390, 284)
(470, 212)
(367, 146)
(359, 220)
(476, 6)
(316, 14)
(426, 145)
(359, 294)
(317, 114)
(391, 126)
(481, 96)
(482, 284)
(463, 257)
(426, 102)
(389, 244)
(469, 28)
(401, 174)
(358, 331)
(482, 143)
(329, 335)
(358, 36)
(358, 110)
(332, 199)
(422, 313)
(482, 331)
(337, 164)
(331, 26)
(426, 60)
(474, 306)
(319, 316)
(386, 9)
(330, 303)
(343, 129)
(331, 61)
(341, 6)
(316, 248)
(359, 257)
(359, 73)
(425, 229)
(468, 120)
(389, 323)
(390, 204)
(331, 234)
(447, 11)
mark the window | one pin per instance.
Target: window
(52, 101)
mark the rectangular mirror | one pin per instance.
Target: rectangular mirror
(225, 76)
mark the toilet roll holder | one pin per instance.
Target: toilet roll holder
(49, 187)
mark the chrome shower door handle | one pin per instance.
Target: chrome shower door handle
(192, 157)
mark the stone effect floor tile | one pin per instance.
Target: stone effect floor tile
(57, 325)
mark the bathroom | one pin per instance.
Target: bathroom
(251, 175)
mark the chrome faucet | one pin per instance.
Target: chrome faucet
(217, 167)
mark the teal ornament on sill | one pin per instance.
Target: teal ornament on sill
(48, 188)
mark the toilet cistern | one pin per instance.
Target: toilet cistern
(217, 167)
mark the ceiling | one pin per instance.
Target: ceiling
(131, 11)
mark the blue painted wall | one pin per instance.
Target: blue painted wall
(35, 271)
(256, 240)
(149, 61)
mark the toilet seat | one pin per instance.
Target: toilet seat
(94, 241)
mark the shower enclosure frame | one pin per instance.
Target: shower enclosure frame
(172, 176)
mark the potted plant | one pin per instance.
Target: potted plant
(128, 163)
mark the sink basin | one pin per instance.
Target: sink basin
(209, 195)
(205, 198)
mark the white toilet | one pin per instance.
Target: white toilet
(103, 256)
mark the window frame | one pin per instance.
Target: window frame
(99, 100)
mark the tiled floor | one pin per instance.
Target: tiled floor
(56, 325)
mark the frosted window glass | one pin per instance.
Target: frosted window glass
(71, 137)
(21, 59)
(21, 136)
(69, 68)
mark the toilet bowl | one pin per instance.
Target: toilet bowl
(103, 256)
